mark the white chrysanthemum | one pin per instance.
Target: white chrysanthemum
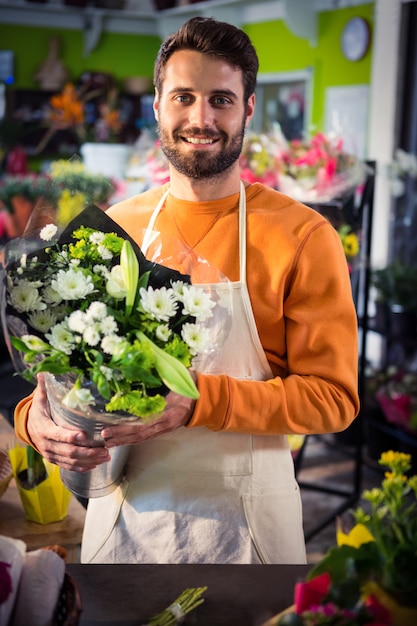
(24, 297)
(197, 303)
(115, 283)
(108, 325)
(91, 335)
(107, 372)
(48, 232)
(178, 289)
(42, 320)
(72, 284)
(61, 338)
(105, 253)
(197, 337)
(109, 343)
(96, 311)
(163, 332)
(23, 260)
(51, 296)
(78, 398)
(75, 262)
(100, 269)
(97, 237)
(77, 322)
(160, 303)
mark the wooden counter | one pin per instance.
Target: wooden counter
(237, 595)
(66, 533)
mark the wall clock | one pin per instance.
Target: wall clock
(355, 38)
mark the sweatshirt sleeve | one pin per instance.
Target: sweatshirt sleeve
(20, 418)
(316, 390)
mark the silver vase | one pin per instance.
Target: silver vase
(103, 479)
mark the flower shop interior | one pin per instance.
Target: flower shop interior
(337, 77)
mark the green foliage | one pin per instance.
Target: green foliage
(397, 284)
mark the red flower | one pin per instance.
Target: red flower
(378, 611)
(311, 593)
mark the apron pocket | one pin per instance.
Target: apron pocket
(275, 523)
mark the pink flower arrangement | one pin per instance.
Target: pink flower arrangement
(397, 398)
(318, 170)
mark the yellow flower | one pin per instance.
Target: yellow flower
(357, 536)
(391, 477)
(351, 245)
(393, 459)
(350, 241)
(69, 206)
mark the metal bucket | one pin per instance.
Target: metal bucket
(103, 479)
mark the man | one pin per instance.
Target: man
(212, 480)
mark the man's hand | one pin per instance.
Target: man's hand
(176, 414)
(67, 448)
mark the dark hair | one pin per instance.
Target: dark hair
(218, 39)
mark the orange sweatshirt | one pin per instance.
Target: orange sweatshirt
(301, 296)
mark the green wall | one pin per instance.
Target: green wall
(119, 54)
(279, 50)
(126, 55)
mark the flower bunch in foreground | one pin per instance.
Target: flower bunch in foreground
(370, 577)
(90, 313)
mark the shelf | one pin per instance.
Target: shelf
(136, 16)
(28, 107)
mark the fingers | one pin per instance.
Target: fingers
(67, 448)
(176, 414)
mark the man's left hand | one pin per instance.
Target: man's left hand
(177, 413)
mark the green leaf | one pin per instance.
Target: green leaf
(130, 270)
(36, 472)
(18, 344)
(172, 372)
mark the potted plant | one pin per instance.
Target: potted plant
(396, 288)
(44, 497)
(370, 577)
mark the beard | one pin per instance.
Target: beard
(200, 163)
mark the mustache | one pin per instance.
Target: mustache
(204, 133)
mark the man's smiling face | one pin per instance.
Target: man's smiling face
(201, 114)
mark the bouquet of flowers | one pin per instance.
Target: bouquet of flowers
(370, 577)
(89, 306)
(318, 170)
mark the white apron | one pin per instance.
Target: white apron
(197, 496)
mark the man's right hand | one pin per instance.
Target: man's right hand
(67, 448)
